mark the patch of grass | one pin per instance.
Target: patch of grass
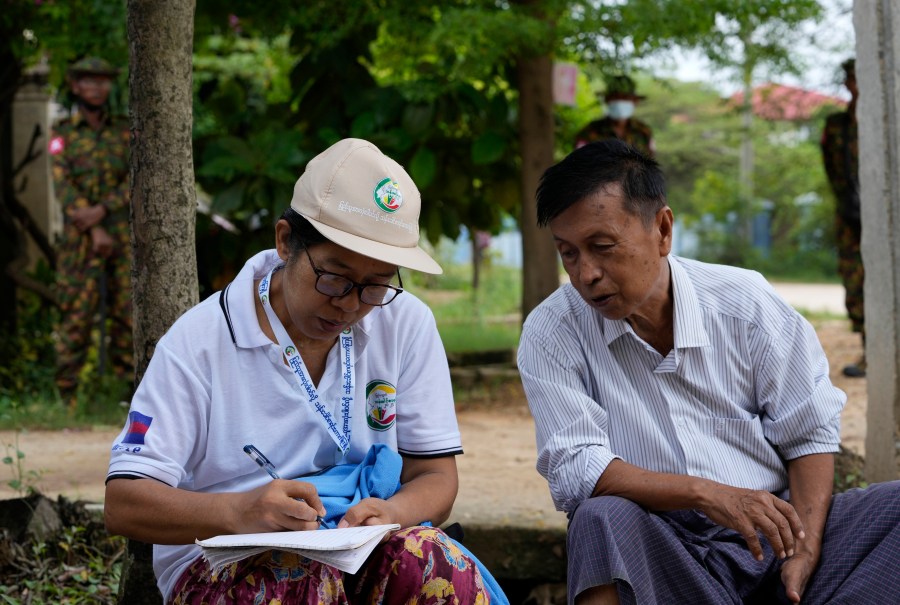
(471, 336)
(471, 319)
(97, 403)
(820, 316)
(452, 298)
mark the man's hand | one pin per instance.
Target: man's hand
(811, 479)
(795, 573)
(750, 511)
(85, 218)
(101, 242)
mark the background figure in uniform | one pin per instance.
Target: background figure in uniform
(840, 151)
(90, 173)
(621, 100)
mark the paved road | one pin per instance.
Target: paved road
(817, 298)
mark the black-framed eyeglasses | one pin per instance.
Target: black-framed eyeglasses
(332, 284)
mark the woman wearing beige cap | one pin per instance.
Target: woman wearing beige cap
(316, 363)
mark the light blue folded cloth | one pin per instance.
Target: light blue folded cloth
(377, 476)
(344, 485)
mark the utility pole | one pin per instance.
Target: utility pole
(877, 25)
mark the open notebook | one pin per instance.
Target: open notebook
(345, 549)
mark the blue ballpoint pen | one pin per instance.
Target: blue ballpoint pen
(267, 466)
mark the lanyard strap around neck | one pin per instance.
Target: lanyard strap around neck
(340, 435)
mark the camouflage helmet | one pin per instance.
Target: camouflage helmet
(92, 66)
(621, 85)
(849, 67)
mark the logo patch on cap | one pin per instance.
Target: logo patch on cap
(388, 196)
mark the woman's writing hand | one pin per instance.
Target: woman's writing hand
(370, 511)
(281, 505)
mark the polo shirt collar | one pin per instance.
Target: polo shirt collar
(689, 330)
(240, 300)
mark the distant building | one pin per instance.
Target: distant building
(779, 102)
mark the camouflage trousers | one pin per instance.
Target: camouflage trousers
(81, 278)
(850, 266)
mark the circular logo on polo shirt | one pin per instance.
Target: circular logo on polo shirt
(388, 196)
(381, 405)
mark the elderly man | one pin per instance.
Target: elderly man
(685, 420)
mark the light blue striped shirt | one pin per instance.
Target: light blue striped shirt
(745, 387)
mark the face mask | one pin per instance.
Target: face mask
(620, 110)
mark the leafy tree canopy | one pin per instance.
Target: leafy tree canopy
(64, 30)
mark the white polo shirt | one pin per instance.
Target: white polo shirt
(216, 382)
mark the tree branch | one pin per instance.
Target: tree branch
(15, 271)
(21, 213)
(30, 155)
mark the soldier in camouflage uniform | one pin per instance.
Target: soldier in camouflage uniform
(621, 99)
(90, 152)
(840, 151)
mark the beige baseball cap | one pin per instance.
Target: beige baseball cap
(363, 200)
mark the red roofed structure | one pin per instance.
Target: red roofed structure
(780, 102)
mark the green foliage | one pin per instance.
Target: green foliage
(849, 481)
(63, 31)
(457, 138)
(471, 319)
(79, 565)
(24, 481)
(98, 401)
(697, 136)
(28, 353)
(433, 85)
(462, 41)
(468, 337)
(740, 35)
(28, 395)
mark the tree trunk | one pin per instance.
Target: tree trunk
(540, 272)
(163, 200)
(477, 257)
(10, 236)
(745, 167)
(878, 60)
(163, 203)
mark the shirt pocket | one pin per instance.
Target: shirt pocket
(741, 441)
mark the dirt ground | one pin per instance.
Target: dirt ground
(498, 438)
